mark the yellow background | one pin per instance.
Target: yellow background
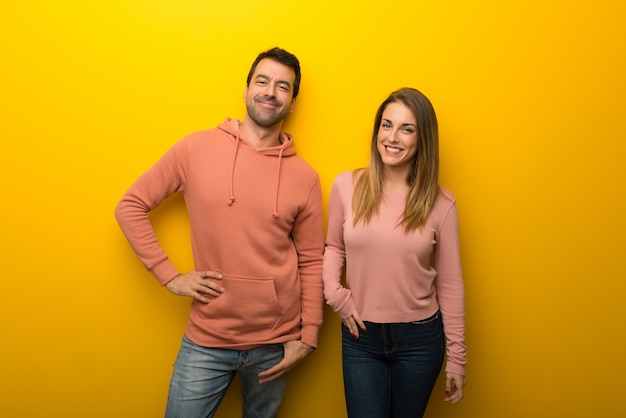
(531, 103)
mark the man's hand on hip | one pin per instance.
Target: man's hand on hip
(204, 286)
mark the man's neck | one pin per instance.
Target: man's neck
(259, 136)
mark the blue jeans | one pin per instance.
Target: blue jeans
(202, 375)
(390, 371)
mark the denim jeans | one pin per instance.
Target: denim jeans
(390, 371)
(202, 375)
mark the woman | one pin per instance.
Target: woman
(396, 230)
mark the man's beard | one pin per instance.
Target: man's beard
(265, 119)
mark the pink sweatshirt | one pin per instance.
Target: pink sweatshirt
(389, 276)
(256, 217)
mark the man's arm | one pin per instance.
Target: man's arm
(308, 237)
(151, 188)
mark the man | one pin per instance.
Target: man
(257, 240)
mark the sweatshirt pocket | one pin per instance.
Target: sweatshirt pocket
(247, 310)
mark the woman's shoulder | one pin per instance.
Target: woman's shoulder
(348, 177)
(445, 195)
(444, 201)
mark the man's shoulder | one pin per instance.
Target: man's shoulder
(202, 134)
(201, 138)
(303, 166)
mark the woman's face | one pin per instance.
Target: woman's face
(397, 136)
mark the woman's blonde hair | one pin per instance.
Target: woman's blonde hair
(423, 176)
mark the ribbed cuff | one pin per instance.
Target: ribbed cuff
(309, 335)
(455, 368)
(164, 271)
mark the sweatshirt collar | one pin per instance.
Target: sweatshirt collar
(285, 149)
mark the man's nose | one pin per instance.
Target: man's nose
(270, 90)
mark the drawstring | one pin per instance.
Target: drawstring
(232, 172)
(231, 199)
(280, 157)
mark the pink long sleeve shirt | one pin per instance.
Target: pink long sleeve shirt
(389, 275)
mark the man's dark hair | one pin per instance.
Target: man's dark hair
(283, 57)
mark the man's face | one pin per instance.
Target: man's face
(269, 97)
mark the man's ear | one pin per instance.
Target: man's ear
(292, 105)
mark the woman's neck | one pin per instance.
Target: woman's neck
(395, 181)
